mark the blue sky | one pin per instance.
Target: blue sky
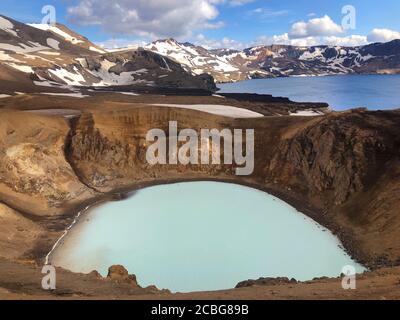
(218, 23)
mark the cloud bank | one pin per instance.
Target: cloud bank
(147, 18)
(383, 35)
(187, 19)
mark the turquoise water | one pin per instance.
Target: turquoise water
(202, 236)
(340, 92)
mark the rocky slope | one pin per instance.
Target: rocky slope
(34, 58)
(282, 60)
(382, 284)
(342, 169)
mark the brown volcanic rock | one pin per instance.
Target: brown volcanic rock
(25, 284)
(18, 234)
(266, 282)
(34, 174)
(340, 153)
(119, 273)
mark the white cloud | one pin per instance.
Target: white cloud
(276, 39)
(225, 43)
(383, 35)
(317, 31)
(266, 13)
(348, 41)
(121, 43)
(237, 3)
(147, 18)
(324, 26)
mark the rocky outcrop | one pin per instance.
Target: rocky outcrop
(266, 282)
(34, 174)
(145, 68)
(119, 274)
(340, 154)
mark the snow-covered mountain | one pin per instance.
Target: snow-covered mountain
(231, 66)
(43, 56)
(281, 60)
(327, 60)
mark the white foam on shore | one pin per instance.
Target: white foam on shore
(220, 110)
(47, 259)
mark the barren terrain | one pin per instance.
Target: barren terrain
(59, 155)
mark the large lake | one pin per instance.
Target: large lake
(202, 236)
(341, 92)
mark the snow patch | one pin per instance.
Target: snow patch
(22, 68)
(7, 26)
(50, 53)
(73, 95)
(129, 93)
(6, 57)
(96, 50)
(23, 48)
(53, 43)
(111, 78)
(58, 31)
(306, 113)
(70, 78)
(220, 110)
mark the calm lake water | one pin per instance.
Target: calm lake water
(376, 92)
(202, 236)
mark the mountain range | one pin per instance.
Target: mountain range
(282, 60)
(35, 57)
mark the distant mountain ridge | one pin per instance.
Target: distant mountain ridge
(37, 57)
(231, 66)
(227, 65)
